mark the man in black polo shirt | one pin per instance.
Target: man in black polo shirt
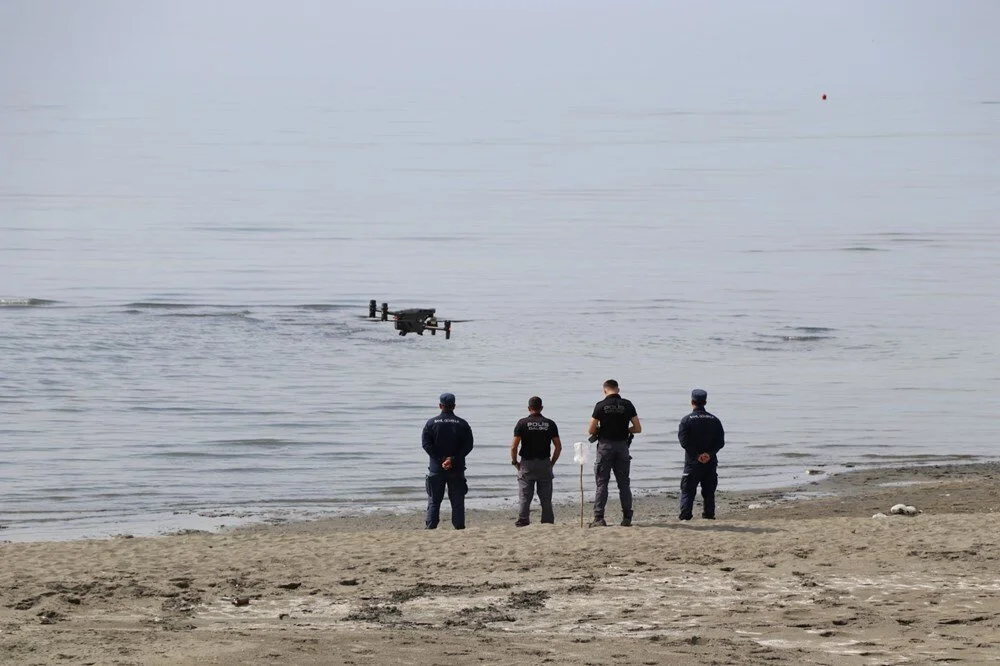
(702, 436)
(535, 433)
(614, 421)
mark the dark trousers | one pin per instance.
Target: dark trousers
(535, 473)
(696, 473)
(457, 487)
(612, 457)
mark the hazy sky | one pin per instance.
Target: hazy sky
(844, 47)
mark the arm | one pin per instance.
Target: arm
(467, 445)
(514, 443)
(682, 433)
(427, 439)
(635, 427)
(595, 424)
(720, 438)
(556, 449)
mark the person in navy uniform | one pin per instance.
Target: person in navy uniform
(702, 436)
(447, 439)
(538, 438)
(613, 422)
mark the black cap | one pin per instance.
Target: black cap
(699, 396)
(447, 399)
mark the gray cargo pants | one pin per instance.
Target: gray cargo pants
(612, 457)
(535, 473)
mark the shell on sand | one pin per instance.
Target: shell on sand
(904, 510)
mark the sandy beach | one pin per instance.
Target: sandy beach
(774, 580)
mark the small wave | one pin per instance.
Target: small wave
(399, 490)
(240, 230)
(129, 494)
(190, 454)
(862, 248)
(340, 455)
(905, 237)
(322, 307)
(244, 470)
(240, 313)
(919, 456)
(265, 442)
(25, 302)
(153, 305)
(813, 329)
(153, 408)
(795, 338)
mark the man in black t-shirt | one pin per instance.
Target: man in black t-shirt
(534, 434)
(614, 422)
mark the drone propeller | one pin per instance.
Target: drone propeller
(367, 318)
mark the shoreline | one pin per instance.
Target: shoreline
(490, 510)
(660, 505)
(814, 579)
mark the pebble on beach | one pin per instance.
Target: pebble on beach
(904, 510)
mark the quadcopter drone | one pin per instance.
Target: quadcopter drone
(412, 320)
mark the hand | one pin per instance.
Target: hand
(705, 458)
(516, 464)
(447, 464)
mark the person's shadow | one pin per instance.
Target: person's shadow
(708, 526)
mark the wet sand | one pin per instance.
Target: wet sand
(774, 580)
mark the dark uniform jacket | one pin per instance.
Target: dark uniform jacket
(701, 432)
(444, 436)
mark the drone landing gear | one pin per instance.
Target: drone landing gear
(373, 310)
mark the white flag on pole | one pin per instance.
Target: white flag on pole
(580, 453)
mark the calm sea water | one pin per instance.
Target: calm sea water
(185, 267)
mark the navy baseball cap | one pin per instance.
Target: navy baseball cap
(699, 396)
(447, 399)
